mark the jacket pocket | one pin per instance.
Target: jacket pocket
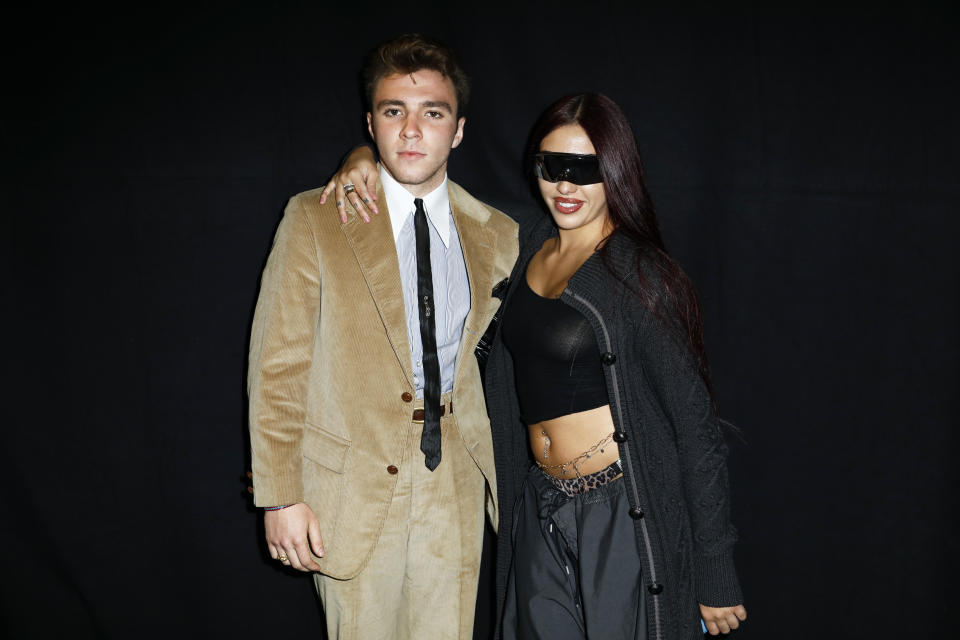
(326, 449)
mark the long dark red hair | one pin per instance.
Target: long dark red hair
(631, 210)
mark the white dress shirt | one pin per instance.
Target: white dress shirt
(451, 290)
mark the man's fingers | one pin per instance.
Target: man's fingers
(278, 554)
(305, 560)
(289, 532)
(294, 558)
(712, 627)
(316, 541)
(295, 554)
(286, 553)
(741, 612)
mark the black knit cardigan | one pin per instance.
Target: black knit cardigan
(673, 453)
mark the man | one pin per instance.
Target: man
(371, 447)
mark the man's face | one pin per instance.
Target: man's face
(414, 125)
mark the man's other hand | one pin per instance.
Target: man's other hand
(292, 533)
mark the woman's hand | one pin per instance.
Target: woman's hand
(722, 619)
(359, 170)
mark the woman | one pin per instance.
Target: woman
(598, 375)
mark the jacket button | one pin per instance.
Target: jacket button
(607, 358)
(406, 396)
(655, 588)
(392, 470)
(619, 436)
(636, 513)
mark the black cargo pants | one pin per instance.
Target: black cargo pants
(576, 571)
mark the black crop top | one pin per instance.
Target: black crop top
(555, 357)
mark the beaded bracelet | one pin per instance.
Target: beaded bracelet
(277, 508)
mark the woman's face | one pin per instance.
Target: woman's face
(573, 206)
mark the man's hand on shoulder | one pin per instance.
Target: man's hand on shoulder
(292, 532)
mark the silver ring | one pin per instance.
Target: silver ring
(349, 188)
(339, 203)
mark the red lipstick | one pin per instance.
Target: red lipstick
(567, 205)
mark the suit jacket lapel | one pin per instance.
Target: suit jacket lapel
(478, 244)
(376, 253)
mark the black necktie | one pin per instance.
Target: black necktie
(430, 440)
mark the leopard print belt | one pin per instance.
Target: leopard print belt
(582, 484)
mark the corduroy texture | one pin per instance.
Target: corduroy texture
(330, 367)
(418, 582)
(678, 454)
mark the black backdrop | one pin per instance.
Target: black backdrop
(804, 165)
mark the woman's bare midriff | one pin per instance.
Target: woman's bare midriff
(558, 442)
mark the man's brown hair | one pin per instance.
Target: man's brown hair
(409, 53)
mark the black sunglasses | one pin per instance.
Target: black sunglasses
(567, 167)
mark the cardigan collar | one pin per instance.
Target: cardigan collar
(618, 262)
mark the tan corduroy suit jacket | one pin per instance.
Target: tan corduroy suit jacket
(331, 376)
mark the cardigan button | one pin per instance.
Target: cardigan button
(619, 436)
(636, 513)
(406, 396)
(607, 358)
(392, 470)
(655, 588)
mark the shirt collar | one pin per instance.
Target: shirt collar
(400, 205)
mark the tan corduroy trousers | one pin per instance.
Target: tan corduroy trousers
(421, 581)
